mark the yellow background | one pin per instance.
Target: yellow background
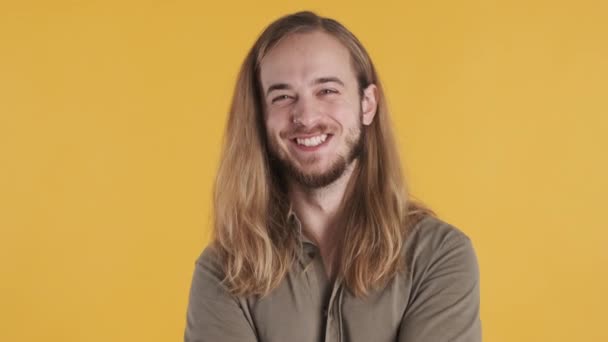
(111, 115)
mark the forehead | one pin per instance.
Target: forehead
(306, 56)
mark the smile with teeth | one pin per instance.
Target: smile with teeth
(312, 141)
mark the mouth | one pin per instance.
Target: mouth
(312, 143)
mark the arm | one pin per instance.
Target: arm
(445, 305)
(213, 314)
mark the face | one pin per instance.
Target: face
(309, 77)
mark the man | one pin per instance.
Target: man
(315, 236)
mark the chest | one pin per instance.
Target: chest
(307, 307)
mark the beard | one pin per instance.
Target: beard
(287, 168)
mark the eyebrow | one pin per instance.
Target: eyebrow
(320, 80)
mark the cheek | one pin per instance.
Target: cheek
(345, 112)
(275, 124)
(276, 114)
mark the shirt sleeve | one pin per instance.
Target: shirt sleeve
(445, 304)
(213, 314)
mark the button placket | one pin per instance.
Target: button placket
(332, 314)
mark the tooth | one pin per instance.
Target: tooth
(313, 141)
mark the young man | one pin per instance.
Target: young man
(315, 236)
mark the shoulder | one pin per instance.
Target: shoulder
(209, 262)
(431, 233)
(443, 284)
(213, 314)
(209, 273)
(434, 244)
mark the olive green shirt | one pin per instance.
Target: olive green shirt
(436, 300)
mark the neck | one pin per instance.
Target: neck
(317, 208)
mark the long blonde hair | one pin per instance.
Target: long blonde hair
(250, 199)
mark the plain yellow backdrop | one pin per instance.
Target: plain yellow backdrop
(112, 113)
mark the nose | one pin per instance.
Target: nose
(305, 112)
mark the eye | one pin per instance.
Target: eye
(280, 98)
(327, 91)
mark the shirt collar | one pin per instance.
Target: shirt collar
(295, 223)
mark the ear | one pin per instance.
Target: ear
(369, 104)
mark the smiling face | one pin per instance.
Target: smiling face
(309, 77)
